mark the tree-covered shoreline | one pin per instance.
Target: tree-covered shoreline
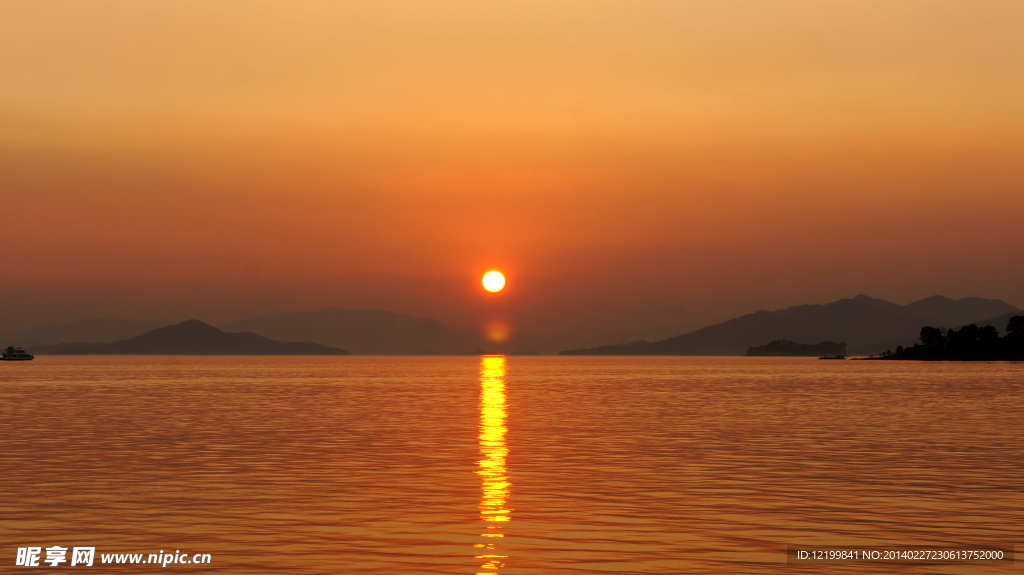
(969, 343)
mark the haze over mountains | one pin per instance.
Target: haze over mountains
(103, 329)
(379, 332)
(866, 324)
(362, 331)
(192, 337)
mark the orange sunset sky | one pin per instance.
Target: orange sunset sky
(637, 169)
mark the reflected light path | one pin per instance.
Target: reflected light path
(495, 486)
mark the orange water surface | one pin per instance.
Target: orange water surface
(517, 465)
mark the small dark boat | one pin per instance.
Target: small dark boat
(832, 357)
(15, 353)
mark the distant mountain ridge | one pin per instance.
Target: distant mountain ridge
(861, 321)
(869, 325)
(191, 337)
(958, 312)
(377, 332)
(361, 331)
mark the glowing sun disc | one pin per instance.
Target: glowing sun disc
(494, 281)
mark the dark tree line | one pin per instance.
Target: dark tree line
(969, 343)
(784, 347)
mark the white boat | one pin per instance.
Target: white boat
(15, 353)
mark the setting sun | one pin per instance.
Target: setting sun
(494, 281)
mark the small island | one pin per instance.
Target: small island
(786, 348)
(969, 343)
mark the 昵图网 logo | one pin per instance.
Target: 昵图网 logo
(30, 556)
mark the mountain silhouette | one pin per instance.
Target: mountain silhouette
(193, 337)
(861, 321)
(103, 329)
(948, 312)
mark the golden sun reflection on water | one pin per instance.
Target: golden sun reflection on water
(495, 486)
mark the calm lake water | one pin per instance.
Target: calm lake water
(518, 465)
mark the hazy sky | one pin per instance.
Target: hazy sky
(629, 164)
